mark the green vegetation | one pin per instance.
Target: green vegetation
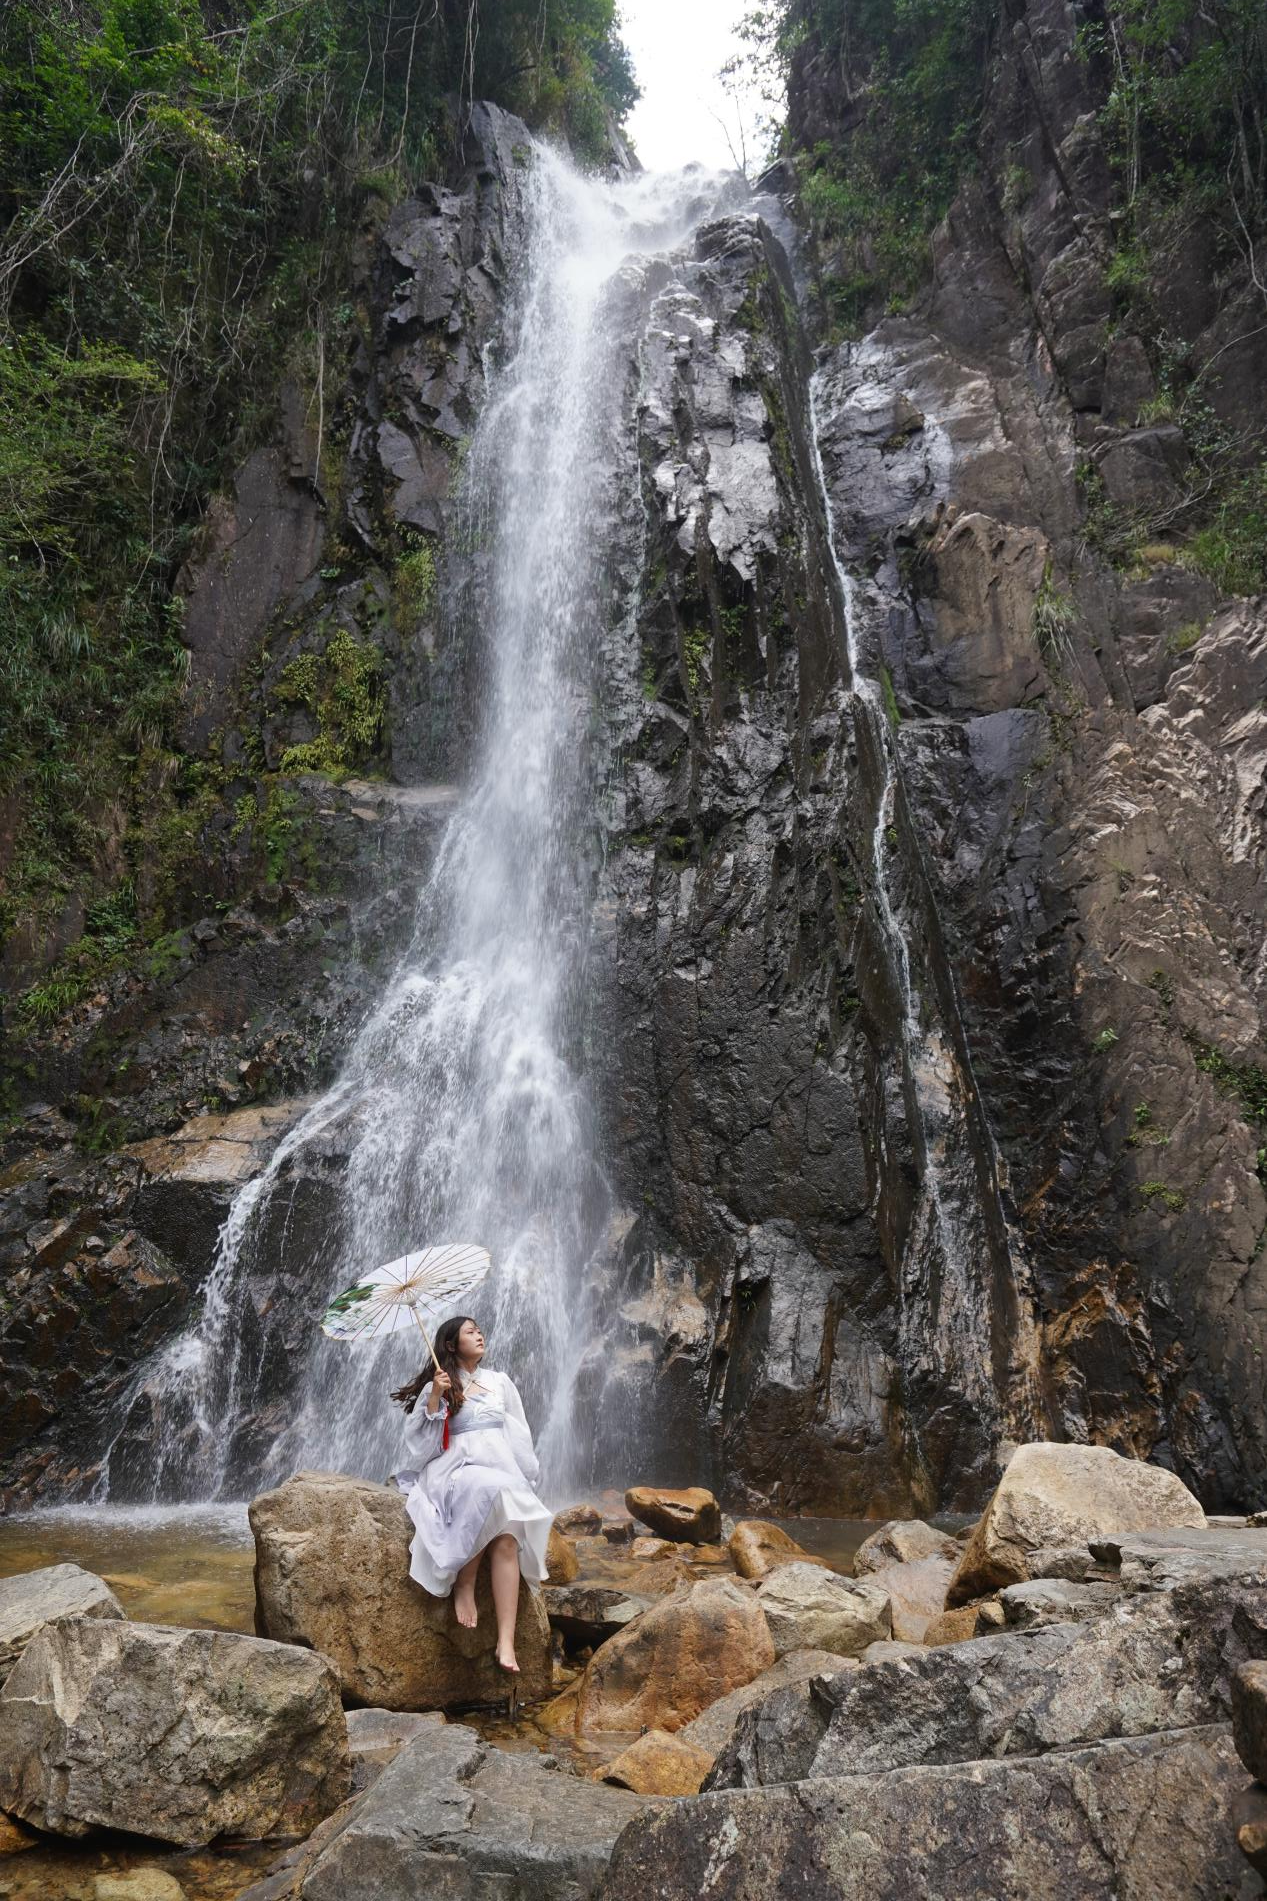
(1104, 1040)
(891, 707)
(343, 690)
(181, 183)
(696, 642)
(913, 73)
(1054, 618)
(414, 582)
(1170, 1198)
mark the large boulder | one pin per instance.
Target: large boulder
(562, 1564)
(669, 1664)
(757, 1548)
(692, 1516)
(452, 1817)
(179, 1734)
(332, 1572)
(1142, 1820)
(1162, 1662)
(34, 1598)
(810, 1609)
(1063, 1495)
(903, 1541)
(1056, 1601)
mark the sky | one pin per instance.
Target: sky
(678, 46)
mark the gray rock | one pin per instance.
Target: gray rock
(811, 1609)
(1056, 1601)
(714, 1727)
(1159, 1560)
(451, 1816)
(590, 1613)
(34, 1598)
(1156, 1662)
(1249, 1716)
(1061, 1561)
(902, 1541)
(179, 1734)
(1141, 1820)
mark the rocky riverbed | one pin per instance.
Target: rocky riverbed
(1072, 1691)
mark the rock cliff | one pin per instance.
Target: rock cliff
(925, 1018)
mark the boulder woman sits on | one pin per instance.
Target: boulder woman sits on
(471, 1486)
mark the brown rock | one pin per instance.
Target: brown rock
(713, 1729)
(902, 1541)
(658, 1764)
(1249, 1823)
(917, 1594)
(670, 1664)
(579, 1521)
(693, 1515)
(1064, 1495)
(757, 1548)
(647, 1550)
(953, 1627)
(332, 1572)
(14, 1837)
(562, 1563)
(1249, 1717)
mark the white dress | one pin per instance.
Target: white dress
(461, 1499)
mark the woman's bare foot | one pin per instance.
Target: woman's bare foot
(464, 1603)
(506, 1658)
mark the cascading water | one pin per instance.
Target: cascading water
(959, 1285)
(462, 1109)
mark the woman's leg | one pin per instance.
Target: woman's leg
(464, 1592)
(504, 1564)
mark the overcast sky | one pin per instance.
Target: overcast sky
(678, 47)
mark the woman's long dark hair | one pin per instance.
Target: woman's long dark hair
(446, 1345)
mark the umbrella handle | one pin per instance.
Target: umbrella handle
(423, 1331)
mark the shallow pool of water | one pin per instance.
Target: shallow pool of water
(189, 1564)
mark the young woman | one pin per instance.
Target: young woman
(470, 1489)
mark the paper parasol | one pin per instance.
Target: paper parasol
(409, 1292)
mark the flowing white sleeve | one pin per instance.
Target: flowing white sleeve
(424, 1432)
(520, 1434)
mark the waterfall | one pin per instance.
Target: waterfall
(462, 1107)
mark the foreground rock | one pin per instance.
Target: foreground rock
(1063, 1495)
(659, 1764)
(903, 1541)
(662, 1670)
(179, 1734)
(810, 1609)
(32, 1599)
(332, 1572)
(1056, 1601)
(757, 1548)
(451, 1817)
(1143, 1820)
(691, 1517)
(1158, 1663)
